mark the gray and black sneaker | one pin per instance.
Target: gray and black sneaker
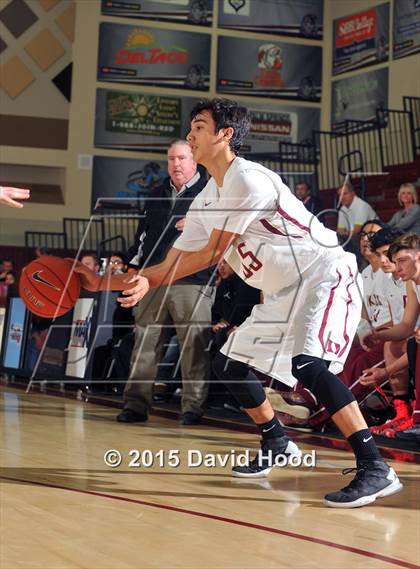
(374, 479)
(411, 435)
(274, 452)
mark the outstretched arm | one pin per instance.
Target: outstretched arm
(176, 265)
(179, 264)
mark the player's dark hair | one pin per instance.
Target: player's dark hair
(410, 241)
(385, 237)
(226, 113)
(119, 254)
(381, 224)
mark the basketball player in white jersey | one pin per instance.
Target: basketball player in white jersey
(394, 291)
(311, 309)
(405, 254)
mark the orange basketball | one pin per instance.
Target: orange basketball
(48, 286)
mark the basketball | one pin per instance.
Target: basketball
(48, 286)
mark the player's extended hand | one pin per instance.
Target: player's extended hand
(369, 341)
(131, 296)
(373, 376)
(221, 324)
(88, 278)
(8, 195)
(417, 335)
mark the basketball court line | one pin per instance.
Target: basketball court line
(311, 439)
(232, 521)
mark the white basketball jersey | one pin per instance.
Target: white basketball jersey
(374, 296)
(279, 239)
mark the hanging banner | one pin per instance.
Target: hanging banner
(361, 39)
(143, 114)
(149, 56)
(300, 18)
(268, 69)
(271, 125)
(121, 182)
(406, 28)
(139, 121)
(197, 12)
(357, 98)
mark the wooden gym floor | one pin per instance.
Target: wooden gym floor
(62, 507)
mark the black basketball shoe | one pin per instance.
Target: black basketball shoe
(274, 452)
(412, 434)
(374, 479)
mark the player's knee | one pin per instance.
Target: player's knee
(313, 373)
(307, 370)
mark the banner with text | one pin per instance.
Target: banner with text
(149, 56)
(361, 39)
(270, 125)
(137, 121)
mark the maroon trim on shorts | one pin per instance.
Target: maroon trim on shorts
(327, 312)
(348, 302)
(292, 219)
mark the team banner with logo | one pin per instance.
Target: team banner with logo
(406, 28)
(300, 18)
(139, 121)
(121, 182)
(269, 69)
(361, 39)
(197, 12)
(358, 98)
(149, 56)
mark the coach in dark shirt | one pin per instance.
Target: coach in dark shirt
(303, 193)
(187, 303)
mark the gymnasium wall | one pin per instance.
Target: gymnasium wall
(69, 169)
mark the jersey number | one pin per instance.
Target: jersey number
(255, 264)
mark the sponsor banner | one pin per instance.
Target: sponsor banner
(149, 56)
(300, 18)
(79, 337)
(121, 182)
(139, 121)
(14, 333)
(197, 12)
(269, 69)
(358, 98)
(361, 39)
(143, 114)
(270, 125)
(406, 28)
